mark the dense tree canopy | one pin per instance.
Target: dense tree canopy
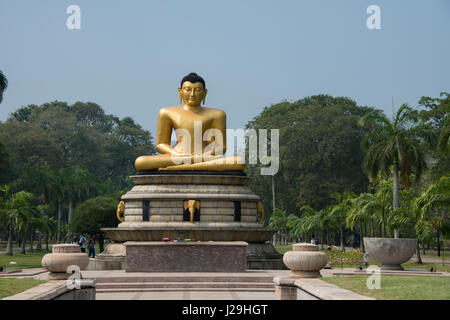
(435, 114)
(65, 136)
(320, 151)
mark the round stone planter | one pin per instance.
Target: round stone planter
(390, 252)
(305, 261)
(63, 256)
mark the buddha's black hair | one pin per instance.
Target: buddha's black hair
(193, 78)
(3, 81)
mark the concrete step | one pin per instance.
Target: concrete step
(190, 278)
(190, 285)
(237, 289)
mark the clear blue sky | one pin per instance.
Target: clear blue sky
(129, 56)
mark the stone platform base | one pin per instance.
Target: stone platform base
(158, 256)
(260, 256)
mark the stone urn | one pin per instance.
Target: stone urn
(390, 252)
(305, 261)
(63, 256)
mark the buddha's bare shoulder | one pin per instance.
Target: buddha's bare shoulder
(215, 111)
(169, 110)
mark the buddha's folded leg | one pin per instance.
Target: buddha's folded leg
(221, 164)
(146, 163)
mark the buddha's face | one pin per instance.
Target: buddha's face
(192, 93)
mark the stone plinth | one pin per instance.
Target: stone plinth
(185, 256)
(305, 261)
(63, 256)
(155, 209)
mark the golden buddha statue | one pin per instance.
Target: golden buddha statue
(195, 126)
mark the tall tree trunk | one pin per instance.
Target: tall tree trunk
(321, 239)
(24, 241)
(59, 220)
(418, 259)
(31, 239)
(438, 244)
(361, 238)
(69, 219)
(46, 241)
(395, 194)
(10, 250)
(342, 239)
(39, 241)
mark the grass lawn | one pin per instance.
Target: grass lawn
(27, 260)
(397, 287)
(11, 286)
(347, 259)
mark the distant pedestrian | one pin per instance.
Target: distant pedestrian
(91, 247)
(82, 242)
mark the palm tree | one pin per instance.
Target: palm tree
(372, 207)
(338, 213)
(278, 220)
(15, 210)
(394, 144)
(77, 187)
(311, 222)
(432, 209)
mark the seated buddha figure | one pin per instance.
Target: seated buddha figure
(200, 132)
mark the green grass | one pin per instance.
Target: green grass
(397, 287)
(11, 286)
(347, 259)
(28, 260)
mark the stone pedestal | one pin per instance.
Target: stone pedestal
(305, 261)
(285, 289)
(159, 256)
(112, 258)
(155, 208)
(63, 256)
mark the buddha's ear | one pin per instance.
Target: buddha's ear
(204, 96)
(179, 93)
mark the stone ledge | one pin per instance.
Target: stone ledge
(319, 289)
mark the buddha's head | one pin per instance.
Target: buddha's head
(192, 90)
(3, 85)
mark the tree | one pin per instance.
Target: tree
(66, 136)
(395, 144)
(436, 117)
(432, 210)
(78, 185)
(338, 213)
(15, 212)
(278, 220)
(372, 207)
(93, 214)
(319, 151)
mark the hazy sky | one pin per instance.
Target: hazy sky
(130, 56)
